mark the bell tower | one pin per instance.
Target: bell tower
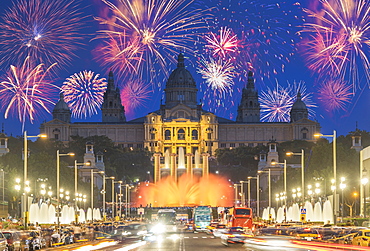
(249, 108)
(112, 109)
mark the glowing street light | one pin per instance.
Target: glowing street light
(334, 136)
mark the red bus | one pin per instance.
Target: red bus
(240, 217)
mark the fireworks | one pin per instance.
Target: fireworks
(144, 33)
(223, 43)
(24, 90)
(276, 103)
(134, 94)
(339, 39)
(84, 93)
(46, 30)
(335, 95)
(217, 74)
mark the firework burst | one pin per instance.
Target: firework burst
(218, 74)
(149, 34)
(84, 93)
(339, 39)
(134, 94)
(335, 95)
(25, 90)
(276, 103)
(222, 44)
(46, 30)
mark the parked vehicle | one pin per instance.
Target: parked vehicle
(308, 234)
(362, 238)
(35, 240)
(14, 240)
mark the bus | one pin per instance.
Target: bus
(239, 217)
(166, 221)
(202, 217)
(166, 216)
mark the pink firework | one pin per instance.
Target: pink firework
(335, 95)
(340, 29)
(134, 94)
(25, 90)
(119, 53)
(223, 43)
(84, 93)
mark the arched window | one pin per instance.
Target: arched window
(110, 104)
(167, 135)
(250, 104)
(194, 135)
(181, 134)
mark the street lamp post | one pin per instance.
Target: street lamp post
(334, 136)
(120, 198)
(104, 192)
(76, 172)
(269, 185)
(302, 168)
(92, 186)
(25, 170)
(249, 189)
(58, 174)
(342, 186)
(284, 163)
(364, 181)
(242, 193)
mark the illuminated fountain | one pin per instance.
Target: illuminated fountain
(181, 163)
(212, 190)
(45, 214)
(316, 213)
(197, 159)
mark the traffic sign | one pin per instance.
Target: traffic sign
(303, 218)
(303, 211)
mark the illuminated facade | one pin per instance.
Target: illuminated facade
(181, 134)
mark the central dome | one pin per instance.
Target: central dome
(180, 77)
(181, 87)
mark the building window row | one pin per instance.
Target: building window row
(224, 145)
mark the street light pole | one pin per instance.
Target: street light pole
(334, 136)
(76, 173)
(113, 199)
(25, 170)
(58, 192)
(302, 168)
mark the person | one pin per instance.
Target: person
(77, 232)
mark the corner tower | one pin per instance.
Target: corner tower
(181, 87)
(249, 108)
(112, 109)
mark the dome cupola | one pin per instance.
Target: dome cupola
(299, 109)
(61, 110)
(181, 86)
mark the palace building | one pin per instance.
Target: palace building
(180, 133)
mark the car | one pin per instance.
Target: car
(219, 230)
(14, 240)
(209, 229)
(3, 243)
(362, 238)
(135, 230)
(235, 235)
(307, 234)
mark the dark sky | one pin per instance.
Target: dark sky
(262, 23)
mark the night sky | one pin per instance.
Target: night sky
(274, 39)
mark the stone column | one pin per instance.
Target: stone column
(205, 166)
(157, 170)
(173, 166)
(189, 164)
